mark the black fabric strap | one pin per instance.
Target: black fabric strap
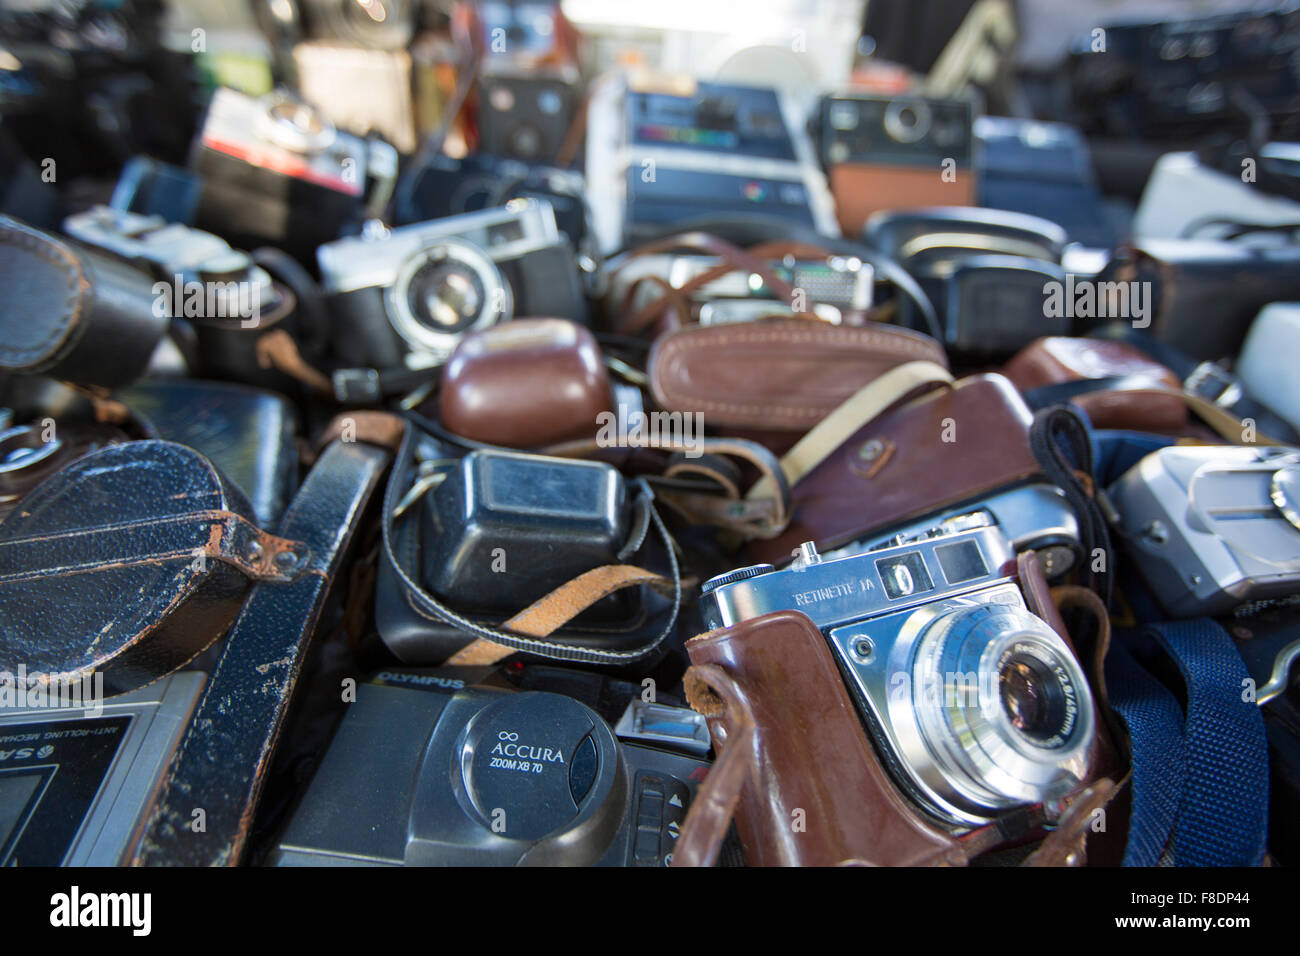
(1062, 444)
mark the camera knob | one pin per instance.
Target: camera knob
(731, 577)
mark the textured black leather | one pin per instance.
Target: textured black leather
(73, 314)
(111, 566)
(247, 432)
(222, 762)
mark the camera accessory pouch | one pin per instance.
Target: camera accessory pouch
(526, 383)
(71, 314)
(128, 563)
(952, 444)
(776, 374)
(1057, 359)
(532, 630)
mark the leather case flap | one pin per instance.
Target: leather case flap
(1056, 359)
(951, 445)
(128, 562)
(777, 675)
(780, 374)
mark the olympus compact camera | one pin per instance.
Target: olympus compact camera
(975, 704)
(428, 771)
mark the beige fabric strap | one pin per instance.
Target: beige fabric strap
(864, 405)
(548, 614)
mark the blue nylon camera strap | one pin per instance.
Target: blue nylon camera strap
(1200, 778)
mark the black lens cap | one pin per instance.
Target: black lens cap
(533, 762)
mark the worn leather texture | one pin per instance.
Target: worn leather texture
(1055, 359)
(778, 374)
(224, 757)
(951, 445)
(114, 566)
(783, 720)
(73, 314)
(247, 433)
(526, 383)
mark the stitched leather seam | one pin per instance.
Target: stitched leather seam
(61, 334)
(888, 343)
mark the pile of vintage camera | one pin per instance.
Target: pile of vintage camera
(683, 476)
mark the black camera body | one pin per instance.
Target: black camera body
(426, 771)
(497, 531)
(276, 171)
(406, 296)
(446, 186)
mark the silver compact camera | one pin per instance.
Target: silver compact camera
(1213, 527)
(407, 296)
(1035, 517)
(975, 704)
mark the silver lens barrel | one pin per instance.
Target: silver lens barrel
(485, 301)
(999, 714)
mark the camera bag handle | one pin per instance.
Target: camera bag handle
(527, 631)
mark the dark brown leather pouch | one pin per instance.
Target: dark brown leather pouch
(794, 764)
(1058, 359)
(526, 384)
(72, 314)
(777, 374)
(954, 444)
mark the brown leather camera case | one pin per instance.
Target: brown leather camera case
(950, 445)
(525, 384)
(813, 791)
(1055, 359)
(779, 374)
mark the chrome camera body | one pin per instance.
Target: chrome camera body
(976, 705)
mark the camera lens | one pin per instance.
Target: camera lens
(443, 291)
(294, 125)
(999, 713)
(445, 297)
(1032, 697)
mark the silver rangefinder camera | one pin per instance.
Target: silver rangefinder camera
(407, 296)
(975, 704)
(1213, 527)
